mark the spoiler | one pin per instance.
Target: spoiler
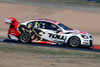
(10, 20)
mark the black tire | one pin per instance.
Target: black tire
(74, 41)
(25, 38)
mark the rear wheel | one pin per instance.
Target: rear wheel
(74, 41)
(25, 38)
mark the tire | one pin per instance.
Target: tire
(74, 41)
(25, 38)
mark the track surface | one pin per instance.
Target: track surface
(91, 49)
(54, 5)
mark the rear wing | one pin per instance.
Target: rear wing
(11, 21)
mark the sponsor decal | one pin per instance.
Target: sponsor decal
(56, 23)
(35, 33)
(55, 36)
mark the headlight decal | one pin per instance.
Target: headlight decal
(85, 36)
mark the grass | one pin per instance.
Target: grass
(70, 2)
(73, 2)
(46, 51)
(3, 37)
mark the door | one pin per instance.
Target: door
(51, 33)
(50, 30)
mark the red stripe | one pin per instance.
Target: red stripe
(95, 47)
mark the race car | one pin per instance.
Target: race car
(46, 31)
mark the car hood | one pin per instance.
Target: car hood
(76, 31)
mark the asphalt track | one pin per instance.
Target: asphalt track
(96, 48)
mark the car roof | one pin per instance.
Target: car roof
(48, 20)
(45, 20)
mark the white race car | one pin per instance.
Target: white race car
(47, 31)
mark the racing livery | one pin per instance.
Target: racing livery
(47, 31)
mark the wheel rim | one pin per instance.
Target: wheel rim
(25, 38)
(74, 42)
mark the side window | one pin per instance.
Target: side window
(52, 26)
(30, 25)
(34, 24)
(43, 25)
(49, 26)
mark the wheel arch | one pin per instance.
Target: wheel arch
(25, 33)
(71, 37)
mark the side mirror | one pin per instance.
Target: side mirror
(59, 30)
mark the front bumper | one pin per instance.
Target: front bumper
(91, 43)
(87, 43)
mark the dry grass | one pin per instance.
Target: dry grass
(23, 56)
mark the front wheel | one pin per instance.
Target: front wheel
(25, 38)
(74, 41)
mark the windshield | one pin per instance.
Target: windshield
(64, 27)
